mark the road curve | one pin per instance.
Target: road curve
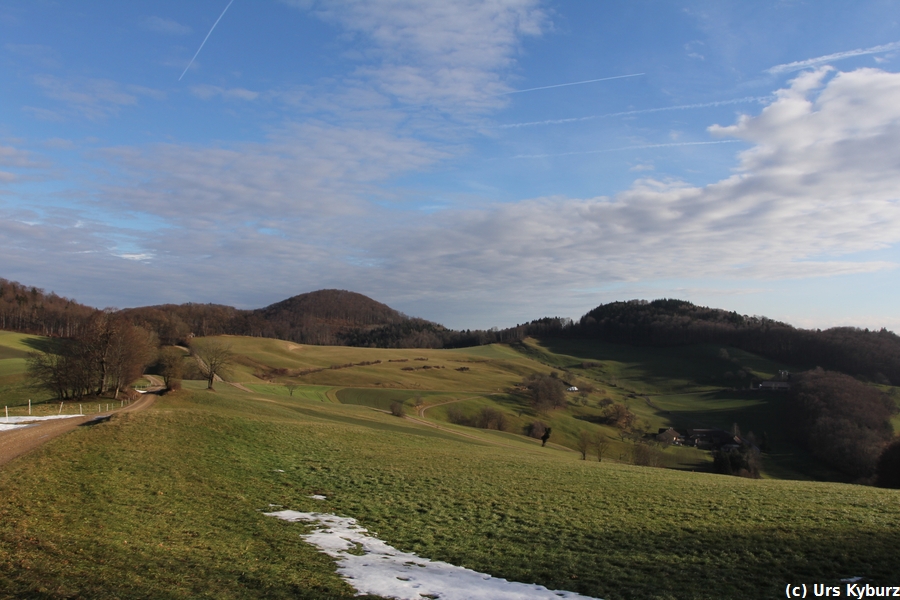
(17, 442)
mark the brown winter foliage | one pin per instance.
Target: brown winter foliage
(31, 310)
(871, 355)
(843, 422)
(108, 354)
(888, 468)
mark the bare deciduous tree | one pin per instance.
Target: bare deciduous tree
(171, 366)
(585, 439)
(601, 445)
(214, 358)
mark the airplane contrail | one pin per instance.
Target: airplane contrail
(637, 112)
(559, 85)
(811, 62)
(206, 38)
(642, 147)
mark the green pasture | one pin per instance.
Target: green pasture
(308, 392)
(694, 386)
(621, 374)
(488, 370)
(15, 390)
(168, 503)
(654, 370)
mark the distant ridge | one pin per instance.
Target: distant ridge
(334, 306)
(325, 316)
(344, 318)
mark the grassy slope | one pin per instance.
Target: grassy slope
(167, 504)
(682, 387)
(14, 389)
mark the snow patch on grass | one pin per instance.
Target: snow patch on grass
(7, 423)
(373, 567)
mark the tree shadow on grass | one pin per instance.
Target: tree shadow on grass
(47, 345)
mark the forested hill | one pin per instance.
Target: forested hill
(871, 355)
(30, 309)
(338, 317)
(325, 314)
(326, 317)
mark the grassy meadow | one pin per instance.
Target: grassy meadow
(168, 502)
(15, 391)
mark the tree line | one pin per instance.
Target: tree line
(870, 355)
(31, 310)
(108, 354)
(338, 317)
(843, 422)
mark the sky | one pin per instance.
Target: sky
(477, 163)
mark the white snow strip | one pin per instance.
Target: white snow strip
(376, 568)
(318, 497)
(8, 423)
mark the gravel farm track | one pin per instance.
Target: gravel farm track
(17, 442)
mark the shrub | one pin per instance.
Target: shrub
(491, 418)
(743, 462)
(536, 429)
(547, 391)
(456, 416)
(618, 415)
(888, 469)
(397, 409)
(645, 456)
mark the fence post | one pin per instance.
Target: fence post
(60, 408)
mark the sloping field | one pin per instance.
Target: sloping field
(14, 349)
(169, 503)
(342, 366)
(703, 386)
(697, 386)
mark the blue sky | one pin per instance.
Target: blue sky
(476, 163)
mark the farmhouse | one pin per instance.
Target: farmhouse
(774, 386)
(712, 439)
(669, 436)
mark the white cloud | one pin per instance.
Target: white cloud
(207, 92)
(446, 55)
(92, 98)
(311, 207)
(14, 157)
(41, 55)
(821, 183)
(311, 170)
(165, 26)
(44, 114)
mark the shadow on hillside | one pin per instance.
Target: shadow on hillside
(401, 427)
(47, 345)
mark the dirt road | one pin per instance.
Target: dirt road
(17, 442)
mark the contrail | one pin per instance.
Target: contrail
(559, 85)
(206, 38)
(638, 112)
(645, 146)
(810, 62)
